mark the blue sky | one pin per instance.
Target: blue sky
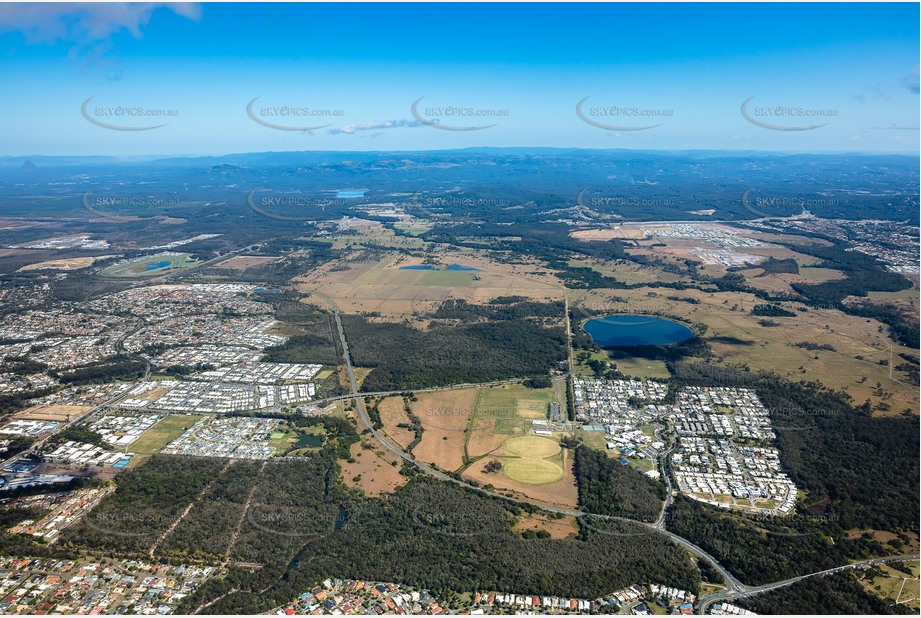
(686, 68)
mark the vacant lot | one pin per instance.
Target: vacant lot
(154, 439)
(243, 262)
(564, 527)
(487, 433)
(52, 413)
(75, 263)
(383, 286)
(375, 471)
(444, 416)
(896, 586)
(392, 414)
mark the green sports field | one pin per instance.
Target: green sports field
(532, 471)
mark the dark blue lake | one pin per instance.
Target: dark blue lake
(460, 267)
(158, 265)
(418, 267)
(635, 330)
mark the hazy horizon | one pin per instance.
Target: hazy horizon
(188, 79)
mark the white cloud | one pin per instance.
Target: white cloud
(373, 125)
(84, 24)
(898, 127)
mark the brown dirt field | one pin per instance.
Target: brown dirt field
(65, 264)
(363, 286)
(392, 414)
(444, 416)
(154, 394)
(51, 413)
(242, 262)
(619, 231)
(562, 493)
(19, 224)
(378, 475)
(482, 440)
(558, 528)
(771, 283)
(883, 536)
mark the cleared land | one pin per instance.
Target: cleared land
(375, 471)
(392, 414)
(562, 528)
(444, 416)
(896, 586)
(243, 262)
(65, 264)
(560, 493)
(157, 437)
(52, 413)
(383, 286)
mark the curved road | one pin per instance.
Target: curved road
(736, 589)
(728, 595)
(365, 419)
